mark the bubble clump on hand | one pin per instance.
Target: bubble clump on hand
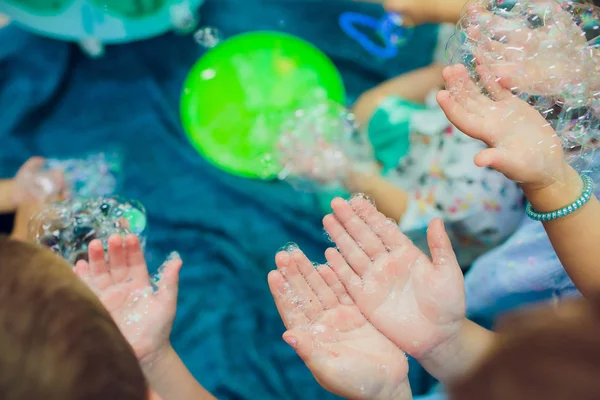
(93, 175)
(68, 227)
(320, 145)
(546, 53)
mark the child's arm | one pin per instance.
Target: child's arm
(171, 379)
(413, 86)
(123, 286)
(526, 149)
(427, 11)
(391, 200)
(7, 196)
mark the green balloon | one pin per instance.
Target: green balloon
(238, 95)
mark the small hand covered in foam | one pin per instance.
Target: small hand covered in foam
(34, 184)
(523, 145)
(345, 353)
(143, 309)
(416, 302)
(321, 143)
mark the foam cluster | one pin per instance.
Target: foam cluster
(321, 143)
(93, 175)
(68, 227)
(545, 52)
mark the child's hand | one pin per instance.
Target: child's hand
(323, 162)
(345, 353)
(145, 316)
(523, 145)
(417, 303)
(34, 185)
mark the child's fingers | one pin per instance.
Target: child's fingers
(336, 285)
(82, 270)
(138, 271)
(352, 252)
(323, 292)
(169, 281)
(492, 84)
(351, 281)
(440, 246)
(98, 269)
(290, 310)
(33, 164)
(489, 157)
(467, 93)
(117, 259)
(357, 228)
(466, 122)
(287, 266)
(386, 229)
(501, 161)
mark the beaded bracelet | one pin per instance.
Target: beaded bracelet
(586, 195)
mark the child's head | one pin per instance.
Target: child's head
(57, 342)
(550, 354)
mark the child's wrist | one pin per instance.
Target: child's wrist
(454, 357)
(401, 391)
(158, 359)
(564, 190)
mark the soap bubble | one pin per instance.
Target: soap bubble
(208, 37)
(321, 143)
(546, 53)
(68, 227)
(40, 184)
(94, 175)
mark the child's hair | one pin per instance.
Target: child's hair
(550, 354)
(57, 342)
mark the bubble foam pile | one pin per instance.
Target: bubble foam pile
(68, 227)
(321, 143)
(546, 53)
(93, 175)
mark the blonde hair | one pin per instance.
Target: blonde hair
(57, 342)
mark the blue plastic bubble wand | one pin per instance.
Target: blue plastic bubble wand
(390, 28)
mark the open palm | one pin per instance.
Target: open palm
(418, 304)
(345, 353)
(144, 315)
(523, 145)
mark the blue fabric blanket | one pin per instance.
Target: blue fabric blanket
(56, 102)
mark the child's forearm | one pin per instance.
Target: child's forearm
(575, 238)
(448, 11)
(455, 358)
(413, 86)
(7, 198)
(390, 200)
(428, 11)
(171, 379)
